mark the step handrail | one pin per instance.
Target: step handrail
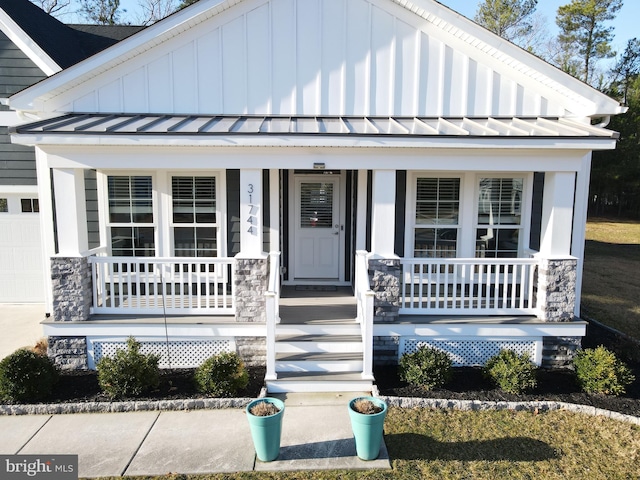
(365, 302)
(272, 305)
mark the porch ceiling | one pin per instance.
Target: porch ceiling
(212, 126)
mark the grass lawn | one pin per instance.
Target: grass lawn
(435, 444)
(611, 282)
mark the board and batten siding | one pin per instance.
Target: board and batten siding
(332, 57)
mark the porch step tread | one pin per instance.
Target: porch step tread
(320, 376)
(318, 338)
(319, 356)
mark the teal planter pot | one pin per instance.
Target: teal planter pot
(266, 431)
(368, 429)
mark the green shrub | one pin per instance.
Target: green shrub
(221, 375)
(128, 373)
(599, 371)
(26, 376)
(427, 368)
(513, 373)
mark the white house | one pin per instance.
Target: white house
(318, 185)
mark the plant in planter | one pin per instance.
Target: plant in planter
(265, 421)
(367, 416)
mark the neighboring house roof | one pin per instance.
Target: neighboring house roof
(376, 57)
(51, 44)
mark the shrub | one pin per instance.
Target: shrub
(128, 373)
(599, 371)
(221, 375)
(513, 373)
(427, 368)
(26, 376)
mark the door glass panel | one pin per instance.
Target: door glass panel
(316, 205)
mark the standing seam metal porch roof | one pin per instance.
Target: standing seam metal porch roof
(344, 126)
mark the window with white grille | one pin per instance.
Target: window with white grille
(437, 217)
(131, 219)
(194, 216)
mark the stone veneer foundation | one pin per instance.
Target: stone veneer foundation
(556, 294)
(384, 275)
(251, 279)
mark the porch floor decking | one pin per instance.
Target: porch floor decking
(317, 306)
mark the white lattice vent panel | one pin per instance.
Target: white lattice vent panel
(466, 353)
(181, 353)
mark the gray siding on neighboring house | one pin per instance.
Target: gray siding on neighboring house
(17, 71)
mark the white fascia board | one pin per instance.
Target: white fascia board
(233, 141)
(174, 330)
(30, 48)
(530, 67)
(8, 119)
(17, 189)
(34, 97)
(481, 329)
(424, 159)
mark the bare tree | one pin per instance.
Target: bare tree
(52, 6)
(154, 10)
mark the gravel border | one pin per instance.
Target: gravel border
(242, 402)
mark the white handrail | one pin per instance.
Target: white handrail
(272, 305)
(365, 302)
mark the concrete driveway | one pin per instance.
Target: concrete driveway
(19, 326)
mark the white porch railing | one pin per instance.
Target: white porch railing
(364, 302)
(153, 285)
(273, 313)
(471, 286)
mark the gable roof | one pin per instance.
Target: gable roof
(51, 44)
(450, 33)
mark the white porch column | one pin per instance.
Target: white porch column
(557, 214)
(361, 214)
(46, 224)
(383, 213)
(579, 224)
(71, 212)
(251, 225)
(274, 210)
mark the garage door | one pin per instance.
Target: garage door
(21, 275)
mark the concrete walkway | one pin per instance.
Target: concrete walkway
(20, 326)
(316, 434)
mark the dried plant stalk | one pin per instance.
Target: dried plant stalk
(264, 409)
(366, 407)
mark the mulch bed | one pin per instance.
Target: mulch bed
(553, 385)
(467, 384)
(82, 386)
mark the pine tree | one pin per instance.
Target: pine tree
(582, 26)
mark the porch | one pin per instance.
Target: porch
(315, 337)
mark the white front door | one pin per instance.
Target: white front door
(317, 230)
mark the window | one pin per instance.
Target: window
(437, 217)
(4, 206)
(316, 205)
(131, 216)
(30, 205)
(195, 232)
(499, 226)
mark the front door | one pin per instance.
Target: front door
(317, 228)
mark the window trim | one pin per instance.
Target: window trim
(220, 211)
(468, 209)
(412, 198)
(104, 216)
(525, 214)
